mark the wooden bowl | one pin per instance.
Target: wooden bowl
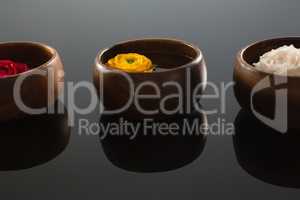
(35, 90)
(175, 60)
(248, 79)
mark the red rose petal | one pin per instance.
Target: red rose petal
(8, 67)
(21, 67)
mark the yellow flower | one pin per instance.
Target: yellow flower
(131, 62)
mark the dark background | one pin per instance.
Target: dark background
(79, 29)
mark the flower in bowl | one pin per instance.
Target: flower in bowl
(8, 67)
(158, 79)
(131, 62)
(31, 77)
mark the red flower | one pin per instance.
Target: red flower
(8, 67)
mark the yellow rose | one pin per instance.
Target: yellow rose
(131, 62)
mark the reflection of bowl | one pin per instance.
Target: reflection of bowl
(34, 89)
(32, 141)
(151, 150)
(174, 61)
(248, 79)
(266, 154)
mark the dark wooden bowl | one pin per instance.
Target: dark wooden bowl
(174, 59)
(247, 77)
(34, 89)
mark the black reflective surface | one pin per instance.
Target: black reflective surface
(150, 151)
(267, 154)
(32, 141)
(79, 29)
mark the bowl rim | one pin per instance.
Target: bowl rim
(39, 67)
(251, 67)
(199, 56)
